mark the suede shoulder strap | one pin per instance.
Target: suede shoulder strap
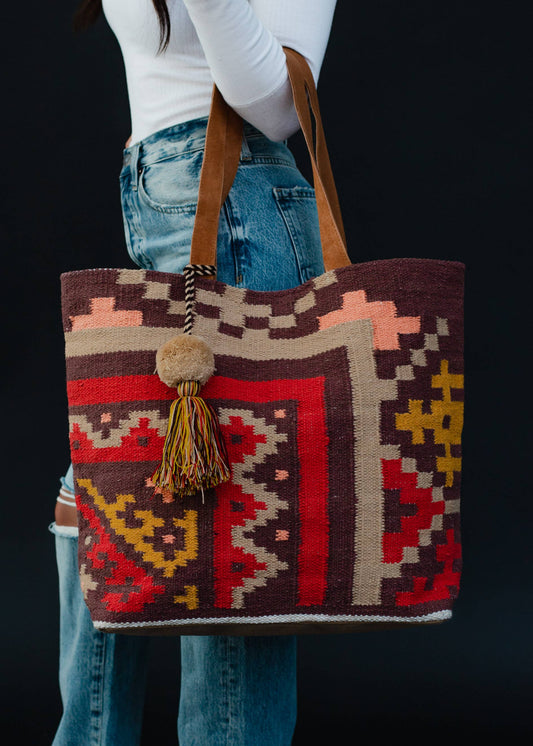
(221, 159)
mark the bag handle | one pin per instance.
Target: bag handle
(329, 212)
(224, 136)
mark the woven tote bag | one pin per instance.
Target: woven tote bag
(340, 406)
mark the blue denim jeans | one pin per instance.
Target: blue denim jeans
(236, 691)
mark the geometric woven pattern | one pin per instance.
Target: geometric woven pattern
(341, 405)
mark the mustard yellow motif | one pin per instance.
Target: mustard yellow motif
(445, 419)
(189, 598)
(136, 536)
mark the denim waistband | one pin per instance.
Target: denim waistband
(186, 137)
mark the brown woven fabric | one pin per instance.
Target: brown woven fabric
(341, 403)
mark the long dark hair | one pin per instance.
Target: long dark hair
(89, 10)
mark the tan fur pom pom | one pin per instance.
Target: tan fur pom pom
(185, 358)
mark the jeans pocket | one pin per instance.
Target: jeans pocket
(297, 206)
(158, 234)
(170, 185)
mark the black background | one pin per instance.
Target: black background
(427, 111)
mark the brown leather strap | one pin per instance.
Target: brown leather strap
(234, 133)
(221, 159)
(330, 219)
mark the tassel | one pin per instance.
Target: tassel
(194, 454)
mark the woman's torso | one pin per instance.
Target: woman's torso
(237, 43)
(163, 89)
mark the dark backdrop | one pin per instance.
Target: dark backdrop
(426, 107)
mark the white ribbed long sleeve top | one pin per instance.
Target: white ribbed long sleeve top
(235, 43)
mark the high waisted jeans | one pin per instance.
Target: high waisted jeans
(236, 691)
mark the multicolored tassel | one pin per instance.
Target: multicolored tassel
(194, 453)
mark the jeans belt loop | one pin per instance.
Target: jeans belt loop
(135, 165)
(246, 153)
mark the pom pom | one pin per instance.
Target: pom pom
(185, 358)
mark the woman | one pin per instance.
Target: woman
(234, 690)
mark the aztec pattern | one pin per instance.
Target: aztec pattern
(341, 404)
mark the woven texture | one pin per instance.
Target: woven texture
(341, 404)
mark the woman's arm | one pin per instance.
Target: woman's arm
(242, 42)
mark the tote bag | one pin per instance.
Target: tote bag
(340, 407)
